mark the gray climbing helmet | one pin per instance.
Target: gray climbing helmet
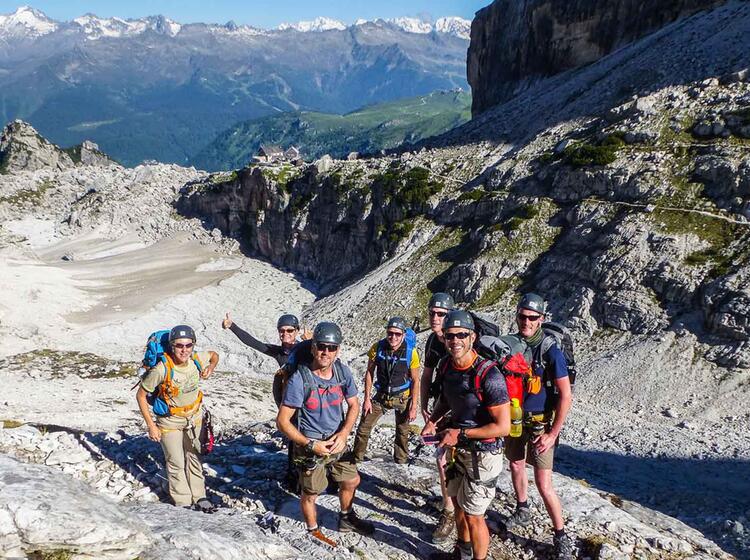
(441, 300)
(532, 302)
(287, 320)
(327, 332)
(458, 318)
(181, 331)
(397, 323)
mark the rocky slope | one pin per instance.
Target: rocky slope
(621, 195)
(516, 44)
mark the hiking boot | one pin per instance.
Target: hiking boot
(318, 536)
(564, 547)
(453, 555)
(349, 522)
(520, 518)
(204, 505)
(445, 526)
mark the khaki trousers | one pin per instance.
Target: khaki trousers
(181, 446)
(400, 405)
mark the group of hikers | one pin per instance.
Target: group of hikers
(482, 396)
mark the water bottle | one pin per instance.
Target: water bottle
(516, 418)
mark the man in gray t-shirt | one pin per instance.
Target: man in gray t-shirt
(324, 406)
(317, 391)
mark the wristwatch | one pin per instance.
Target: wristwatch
(310, 445)
(462, 437)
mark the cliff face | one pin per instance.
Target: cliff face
(516, 42)
(327, 224)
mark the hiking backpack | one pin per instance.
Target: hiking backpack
(559, 334)
(165, 392)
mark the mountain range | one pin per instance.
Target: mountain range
(153, 88)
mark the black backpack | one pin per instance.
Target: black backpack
(555, 333)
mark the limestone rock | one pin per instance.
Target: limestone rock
(41, 510)
(23, 149)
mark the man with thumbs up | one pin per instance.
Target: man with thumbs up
(289, 330)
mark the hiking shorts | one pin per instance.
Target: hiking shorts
(473, 495)
(313, 471)
(517, 449)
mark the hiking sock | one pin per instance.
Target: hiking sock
(467, 553)
(559, 533)
(343, 513)
(523, 504)
(312, 529)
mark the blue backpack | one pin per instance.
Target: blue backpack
(156, 346)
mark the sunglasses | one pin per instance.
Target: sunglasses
(394, 334)
(458, 335)
(438, 313)
(323, 347)
(522, 317)
(178, 346)
(287, 330)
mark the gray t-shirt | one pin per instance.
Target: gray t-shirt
(322, 409)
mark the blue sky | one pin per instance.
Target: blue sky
(260, 13)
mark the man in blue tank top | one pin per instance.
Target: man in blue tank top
(391, 383)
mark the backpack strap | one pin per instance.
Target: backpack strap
(480, 371)
(197, 362)
(338, 374)
(309, 385)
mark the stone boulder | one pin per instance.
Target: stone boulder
(43, 511)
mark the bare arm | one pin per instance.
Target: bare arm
(367, 400)
(440, 409)
(564, 403)
(415, 392)
(548, 439)
(337, 442)
(212, 363)
(498, 426)
(154, 433)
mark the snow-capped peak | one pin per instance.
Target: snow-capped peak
(318, 24)
(457, 26)
(95, 27)
(411, 25)
(26, 21)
